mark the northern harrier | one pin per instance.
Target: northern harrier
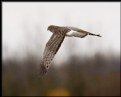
(55, 42)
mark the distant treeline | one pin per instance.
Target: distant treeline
(89, 76)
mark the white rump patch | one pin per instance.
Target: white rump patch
(71, 33)
(75, 34)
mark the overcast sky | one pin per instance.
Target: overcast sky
(24, 27)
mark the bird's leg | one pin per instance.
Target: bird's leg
(95, 34)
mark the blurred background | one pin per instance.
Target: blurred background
(82, 67)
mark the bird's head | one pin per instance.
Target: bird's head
(52, 28)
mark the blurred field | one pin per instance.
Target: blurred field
(89, 76)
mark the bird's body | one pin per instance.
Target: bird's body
(54, 43)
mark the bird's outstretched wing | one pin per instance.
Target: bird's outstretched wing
(81, 33)
(51, 49)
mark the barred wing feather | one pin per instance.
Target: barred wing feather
(51, 49)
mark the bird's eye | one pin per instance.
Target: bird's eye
(47, 66)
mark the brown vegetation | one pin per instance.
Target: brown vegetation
(96, 76)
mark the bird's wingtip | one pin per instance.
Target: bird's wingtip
(99, 35)
(42, 69)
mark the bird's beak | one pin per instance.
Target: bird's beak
(47, 29)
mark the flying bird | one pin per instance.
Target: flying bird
(54, 43)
